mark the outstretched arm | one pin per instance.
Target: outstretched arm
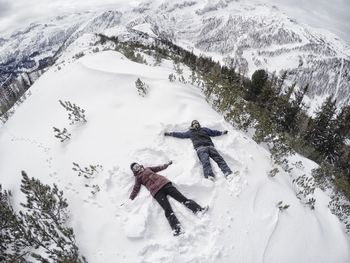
(181, 135)
(136, 189)
(213, 133)
(160, 167)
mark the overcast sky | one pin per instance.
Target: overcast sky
(333, 15)
(329, 14)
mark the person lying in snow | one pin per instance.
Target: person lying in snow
(200, 137)
(160, 187)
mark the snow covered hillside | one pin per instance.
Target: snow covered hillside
(244, 223)
(243, 34)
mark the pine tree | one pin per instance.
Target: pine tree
(267, 96)
(320, 133)
(259, 79)
(62, 135)
(342, 133)
(343, 123)
(282, 206)
(292, 116)
(280, 82)
(177, 67)
(157, 58)
(140, 59)
(38, 232)
(44, 220)
(193, 77)
(171, 77)
(75, 113)
(305, 187)
(12, 245)
(343, 164)
(141, 87)
(88, 172)
(6, 215)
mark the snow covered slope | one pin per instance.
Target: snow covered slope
(248, 36)
(243, 34)
(243, 223)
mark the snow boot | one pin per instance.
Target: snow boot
(203, 210)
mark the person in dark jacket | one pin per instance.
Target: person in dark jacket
(160, 187)
(204, 146)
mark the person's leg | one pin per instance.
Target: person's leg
(213, 153)
(174, 223)
(203, 155)
(190, 204)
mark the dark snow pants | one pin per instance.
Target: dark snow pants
(206, 152)
(162, 199)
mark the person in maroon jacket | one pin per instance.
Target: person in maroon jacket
(160, 187)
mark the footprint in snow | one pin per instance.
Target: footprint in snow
(155, 253)
(71, 187)
(97, 204)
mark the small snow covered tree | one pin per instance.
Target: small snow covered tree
(320, 133)
(339, 204)
(12, 245)
(282, 206)
(140, 59)
(141, 87)
(343, 123)
(259, 79)
(340, 207)
(305, 190)
(273, 172)
(177, 67)
(182, 79)
(75, 113)
(44, 220)
(280, 81)
(79, 55)
(62, 135)
(95, 188)
(193, 77)
(88, 172)
(157, 59)
(172, 77)
(39, 232)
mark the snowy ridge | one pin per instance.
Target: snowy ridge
(249, 36)
(242, 34)
(243, 223)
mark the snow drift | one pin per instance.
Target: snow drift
(243, 223)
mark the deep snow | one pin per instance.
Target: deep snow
(243, 223)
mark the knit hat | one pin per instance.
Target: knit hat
(137, 170)
(193, 122)
(132, 165)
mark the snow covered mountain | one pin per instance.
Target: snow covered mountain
(246, 222)
(241, 34)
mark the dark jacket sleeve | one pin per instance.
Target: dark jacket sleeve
(136, 189)
(159, 168)
(181, 135)
(212, 133)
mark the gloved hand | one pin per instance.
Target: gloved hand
(225, 132)
(170, 163)
(166, 133)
